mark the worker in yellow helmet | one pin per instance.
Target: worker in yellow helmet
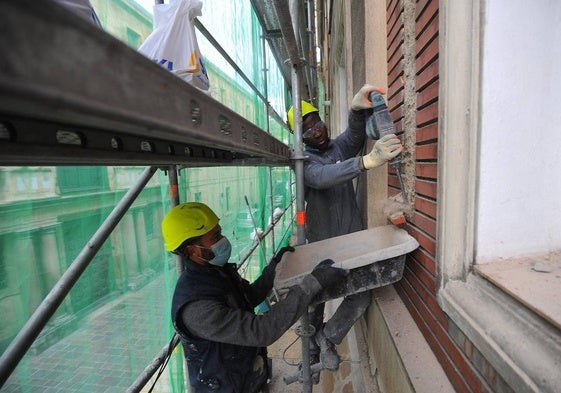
(212, 307)
(331, 206)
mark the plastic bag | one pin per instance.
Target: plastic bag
(173, 43)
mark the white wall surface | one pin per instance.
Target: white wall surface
(519, 201)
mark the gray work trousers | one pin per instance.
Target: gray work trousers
(348, 312)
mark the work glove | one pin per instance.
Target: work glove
(327, 275)
(361, 100)
(385, 148)
(277, 258)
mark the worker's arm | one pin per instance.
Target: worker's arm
(258, 290)
(217, 321)
(321, 173)
(350, 142)
(340, 164)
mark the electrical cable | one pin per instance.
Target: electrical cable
(286, 349)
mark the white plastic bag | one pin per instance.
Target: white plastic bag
(173, 43)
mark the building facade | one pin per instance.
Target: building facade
(474, 301)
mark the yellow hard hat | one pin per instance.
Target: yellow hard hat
(186, 221)
(306, 108)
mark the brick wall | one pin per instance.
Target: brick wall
(418, 286)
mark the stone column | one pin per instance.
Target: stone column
(14, 300)
(141, 241)
(49, 255)
(129, 245)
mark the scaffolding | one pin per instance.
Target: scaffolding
(84, 108)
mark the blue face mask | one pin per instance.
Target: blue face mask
(222, 250)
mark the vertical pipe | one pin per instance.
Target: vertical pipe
(266, 94)
(300, 203)
(312, 60)
(27, 335)
(174, 201)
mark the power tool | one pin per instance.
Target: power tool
(380, 124)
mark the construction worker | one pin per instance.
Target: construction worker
(331, 206)
(212, 308)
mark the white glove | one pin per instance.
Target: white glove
(384, 149)
(361, 100)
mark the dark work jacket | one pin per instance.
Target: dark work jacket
(331, 207)
(214, 366)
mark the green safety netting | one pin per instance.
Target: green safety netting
(115, 320)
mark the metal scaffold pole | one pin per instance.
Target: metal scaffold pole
(289, 17)
(174, 201)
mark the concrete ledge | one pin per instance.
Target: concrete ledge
(400, 358)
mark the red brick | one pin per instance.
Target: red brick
(395, 77)
(429, 55)
(395, 60)
(393, 12)
(396, 100)
(424, 300)
(427, 76)
(425, 259)
(424, 223)
(426, 188)
(394, 88)
(426, 242)
(428, 95)
(425, 17)
(423, 275)
(422, 6)
(426, 206)
(394, 183)
(426, 152)
(427, 133)
(397, 113)
(430, 33)
(392, 192)
(395, 36)
(427, 114)
(426, 170)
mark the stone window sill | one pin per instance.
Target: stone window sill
(535, 282)
(523, 347)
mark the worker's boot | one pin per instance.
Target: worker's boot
(314, 358)
(328, 354)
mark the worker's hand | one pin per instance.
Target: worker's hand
(385, 148)
(277, 258)
(328, 275)
(361, 100)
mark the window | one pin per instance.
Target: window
(479, 303)
(82, 179)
